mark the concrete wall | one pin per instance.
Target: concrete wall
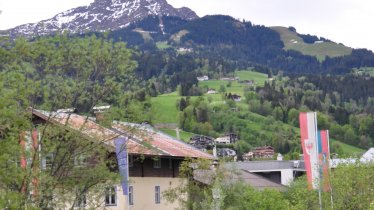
(287, 176)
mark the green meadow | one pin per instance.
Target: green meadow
(293, 42)
(183, 135)
(259, 78)
(164, 108)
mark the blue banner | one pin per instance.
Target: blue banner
(121, 152)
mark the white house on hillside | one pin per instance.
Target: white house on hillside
(203, 78)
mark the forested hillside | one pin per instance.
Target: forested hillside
(127, 71)
(242, 44)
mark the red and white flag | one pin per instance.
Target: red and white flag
(308, 133)
(324, 158)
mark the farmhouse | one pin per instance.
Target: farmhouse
(203, 78)
(202, 142)
(248, 82)
(226, 152)
(152, 165)
(223, 140)
(211, 91)
(185, 49)
(247, 156)
(263, 152)
(236, 98)
(228, 138)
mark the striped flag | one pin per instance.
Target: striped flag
(123, 166)
(308, 133)
(324, 158)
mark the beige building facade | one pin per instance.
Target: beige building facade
(145, 193)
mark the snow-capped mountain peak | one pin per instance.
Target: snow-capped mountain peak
(101, 15)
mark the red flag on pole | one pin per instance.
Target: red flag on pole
(324, 158)
(308, 133)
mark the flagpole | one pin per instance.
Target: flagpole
(127, 178)
(320, 197)
(318, 162)
(331, 195)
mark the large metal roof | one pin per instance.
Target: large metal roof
(161, 142)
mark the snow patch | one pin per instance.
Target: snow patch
(153, 9)
(124, 26)
(65, 19)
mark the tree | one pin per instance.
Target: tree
(222, 89)
(51, 73)
(351, 187)
(277, 113)
(293, 117)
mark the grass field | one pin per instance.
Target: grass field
(348, 149)
(164, 108)
(162, 45)
(236, 87)
(259, 78)
(184, 135)
(366, 70)
(215, 84)
(292, 41)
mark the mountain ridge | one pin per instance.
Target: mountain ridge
(101, 15)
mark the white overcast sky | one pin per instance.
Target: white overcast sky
(350, 22)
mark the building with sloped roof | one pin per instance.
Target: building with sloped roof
(263, 152)
(153, 159)
(235, 175)
(202, 142)
(282, 172)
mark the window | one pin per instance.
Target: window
(131, 195)
(170, 163)
(157, 194)
(47, 161)
(81, 201)
(79, 160)
(131, 161)
(110, 196)
(157, 163)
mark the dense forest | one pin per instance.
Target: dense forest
(344, 104)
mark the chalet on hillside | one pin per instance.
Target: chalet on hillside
(248, 82)
(202, 142)
(211, 91)
(226, 152)
(203, 78)
(153, 162)
(233, 97)
(247, 156)
(263, 152)
(236, 98)
(228, 138)
(185, 49)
